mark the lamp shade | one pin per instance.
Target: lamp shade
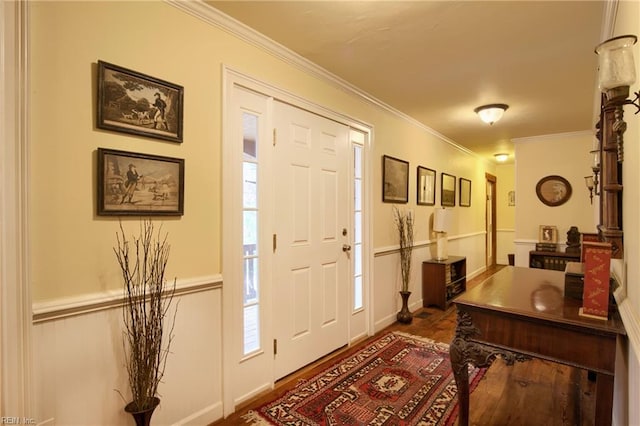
(491, 113)
(441, 220)
(616, 65)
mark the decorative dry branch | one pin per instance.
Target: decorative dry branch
(148, 297)
(404, 225)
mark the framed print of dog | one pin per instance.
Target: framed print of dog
(137, 184)
(131, 102)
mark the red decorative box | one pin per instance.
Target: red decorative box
(597, 261)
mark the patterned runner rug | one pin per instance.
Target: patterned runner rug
(398, 379)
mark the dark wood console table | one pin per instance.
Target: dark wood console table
(521, 313)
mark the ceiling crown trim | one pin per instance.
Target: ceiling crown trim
(218, 19)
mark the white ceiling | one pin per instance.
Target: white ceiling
(438, 60)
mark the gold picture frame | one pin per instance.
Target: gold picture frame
(548, 234)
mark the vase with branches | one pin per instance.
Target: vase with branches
(404, 225)
(147, 300)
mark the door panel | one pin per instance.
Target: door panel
(311, 284)
(491, 219)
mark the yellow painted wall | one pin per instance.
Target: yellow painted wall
(71, 247)
(566, 155)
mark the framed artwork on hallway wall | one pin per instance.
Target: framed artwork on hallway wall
(447, 190)
(134, 184)
(465, 192)
(132, 102)
(395, 180)
(426, 184)
(553, 190)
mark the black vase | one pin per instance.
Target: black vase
(405, 316)
(142, 417)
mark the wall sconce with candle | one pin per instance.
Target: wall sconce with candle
(616, 73)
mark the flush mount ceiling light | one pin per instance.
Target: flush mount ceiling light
(491, 113)
(501, 158)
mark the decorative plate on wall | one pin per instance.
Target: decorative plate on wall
(553, 190)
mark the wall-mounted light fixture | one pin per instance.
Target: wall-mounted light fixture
(588, 180)
(616, 72)
(502, 157)
(491, 113)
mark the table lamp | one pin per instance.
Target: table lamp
(441, 224)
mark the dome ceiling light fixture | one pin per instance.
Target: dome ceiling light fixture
(501, 158)
(491, 113)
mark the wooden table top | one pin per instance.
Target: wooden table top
(534, 293)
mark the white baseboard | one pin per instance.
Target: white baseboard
(205, 416)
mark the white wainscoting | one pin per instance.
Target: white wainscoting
(504, 245)
(387, 301)
(78, 361)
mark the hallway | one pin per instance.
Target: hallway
(531, 393)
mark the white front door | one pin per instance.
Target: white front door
(311, 256)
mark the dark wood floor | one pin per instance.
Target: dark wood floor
(532, 393)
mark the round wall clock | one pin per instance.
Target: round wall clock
(553, 190)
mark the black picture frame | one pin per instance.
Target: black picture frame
(553, 190)
(395, 180)
(425, 186)
(465, 192)
(447, 190)
(135, 184)
(135, 103)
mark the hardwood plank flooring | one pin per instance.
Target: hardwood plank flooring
(532, 393)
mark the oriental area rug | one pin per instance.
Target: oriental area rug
(398, 379)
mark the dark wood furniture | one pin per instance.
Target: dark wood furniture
(521, 313)
(611, 155)
(555, 260)
(442, 280)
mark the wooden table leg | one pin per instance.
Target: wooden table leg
(463, 351)
(604, 399)
(461, 375)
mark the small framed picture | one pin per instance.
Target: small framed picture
(512, 198)
(395, 180)
(465, 192)
(131, 102)
(426, 185)
(548, 234)
(139, 184)
(447, 190)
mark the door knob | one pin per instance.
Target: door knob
(346, 247)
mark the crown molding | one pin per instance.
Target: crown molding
(224, 22)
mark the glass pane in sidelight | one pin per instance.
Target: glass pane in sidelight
(250, 185)
(250, 136)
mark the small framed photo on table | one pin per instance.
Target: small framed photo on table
(548, 234)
